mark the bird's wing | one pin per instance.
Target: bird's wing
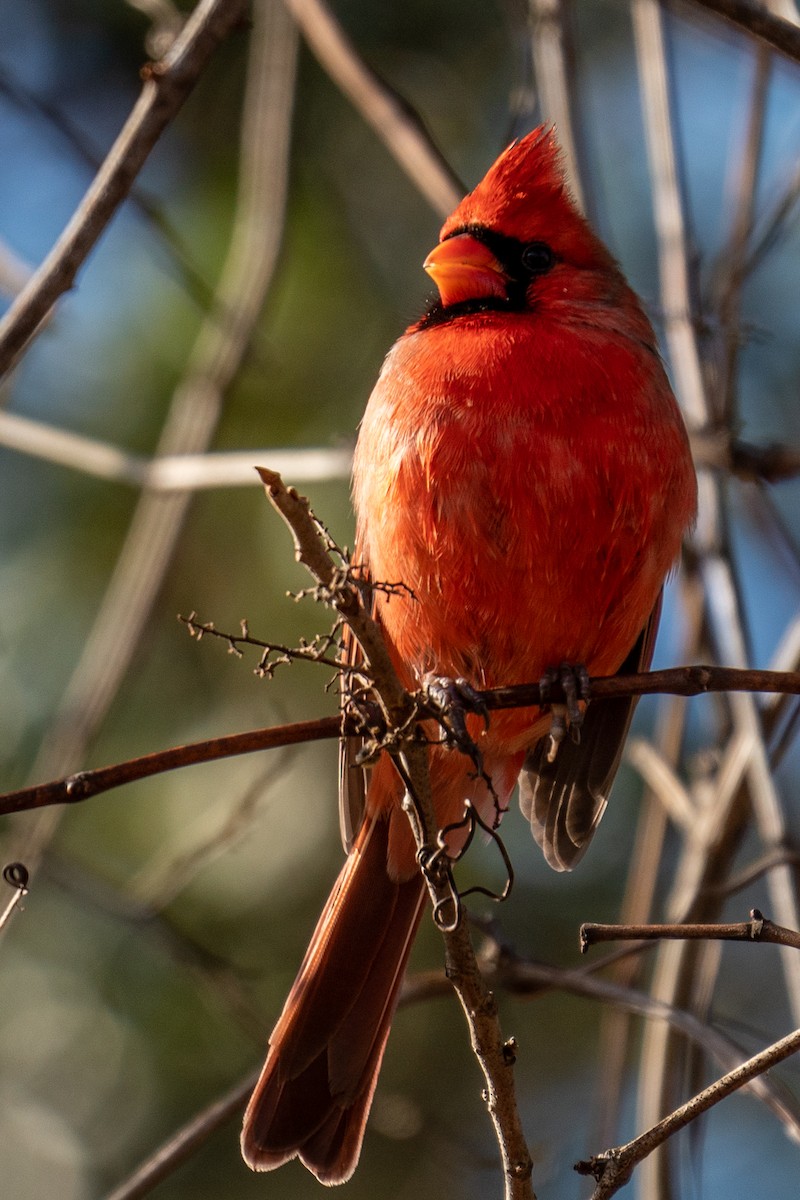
(565, 800)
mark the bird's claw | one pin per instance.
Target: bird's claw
(451, 700)
(567, 715)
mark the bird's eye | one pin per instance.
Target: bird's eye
(537, 258)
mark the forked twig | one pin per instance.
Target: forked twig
(347, 598)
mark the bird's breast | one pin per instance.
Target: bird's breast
(531, 510)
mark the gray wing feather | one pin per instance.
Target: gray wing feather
(565, 800)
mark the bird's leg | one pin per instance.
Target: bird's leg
(574, 681)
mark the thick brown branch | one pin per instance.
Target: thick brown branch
(680, 681)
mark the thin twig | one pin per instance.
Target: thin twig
(84, 784)
(613, 1168)
(679, 681)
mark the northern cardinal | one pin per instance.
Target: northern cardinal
(522, 467)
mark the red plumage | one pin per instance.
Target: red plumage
(523, 469)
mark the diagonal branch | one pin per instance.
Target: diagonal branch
(393, 120)
(167, 83)
(756, 21)
(613, 1168)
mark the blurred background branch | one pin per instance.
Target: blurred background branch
(306, 174)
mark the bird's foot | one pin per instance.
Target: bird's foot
(568, 714)
(451, 700)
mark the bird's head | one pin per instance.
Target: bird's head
(517, 227)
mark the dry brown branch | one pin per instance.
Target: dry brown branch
(678, 681)
(757, 929)
(757, 21)
(613, 1168)
(320, 649)
(84, 784)
(167, 83)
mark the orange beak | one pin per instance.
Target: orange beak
(465, 269)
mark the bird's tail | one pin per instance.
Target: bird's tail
(313, 1097)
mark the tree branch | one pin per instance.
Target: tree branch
(167, 83)
(757, 929)
(677, 681)
(339, 588)
(613, 1168)
(757, 21)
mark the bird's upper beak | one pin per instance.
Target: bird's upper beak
(465, 269)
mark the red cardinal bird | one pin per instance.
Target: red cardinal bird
(523, 468)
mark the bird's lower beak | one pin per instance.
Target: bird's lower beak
(465, 269)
